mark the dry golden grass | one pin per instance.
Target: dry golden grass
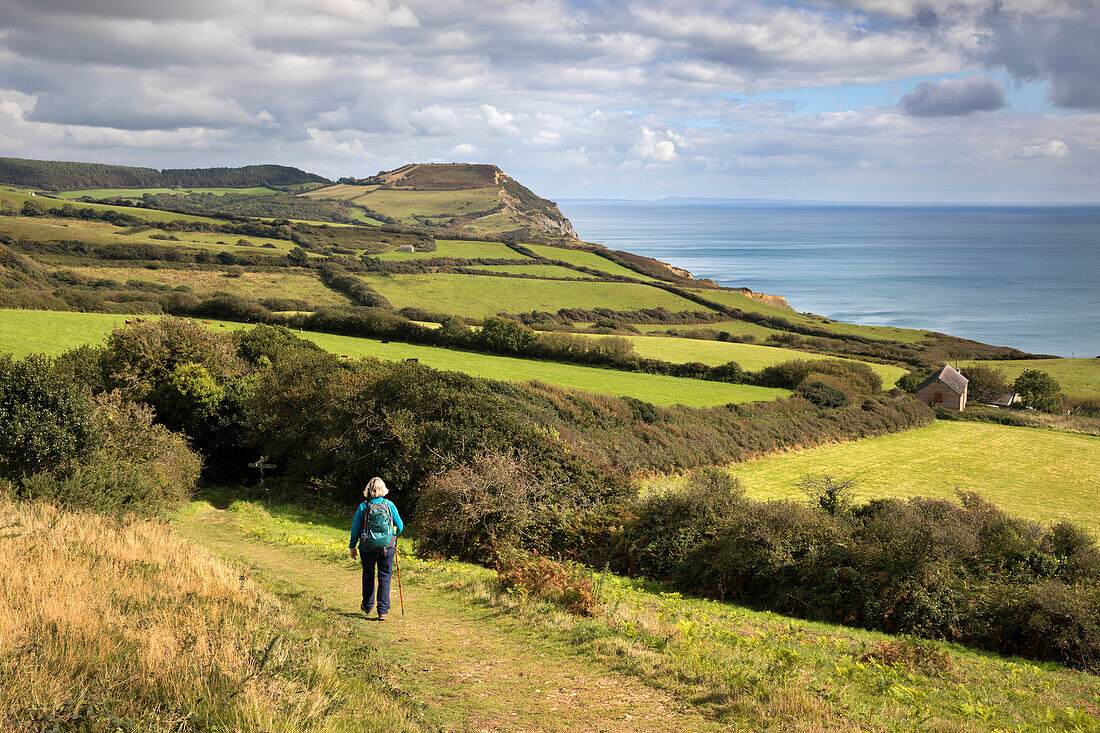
(109, 625)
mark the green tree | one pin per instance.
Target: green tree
(985, 383)
(298, 257)
(45, 418)
(1039, 390)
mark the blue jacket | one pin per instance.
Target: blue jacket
(357, 522)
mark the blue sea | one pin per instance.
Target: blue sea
(1016, 276)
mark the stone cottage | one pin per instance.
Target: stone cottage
(946, 388)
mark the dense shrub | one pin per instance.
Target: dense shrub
(45, 419)
(476, 508)
(964, 571)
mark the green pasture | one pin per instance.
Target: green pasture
(1036, 473)
(1078, 377)
(737, 328)
(658, 389)
(480, 296)
(735, 299)
(459, 248)
(49, 229)
(339, 191)
(52, 332)
(404, 204)
(539, 270)
(285, 283)
(136, 193)
(154, 215)
(489, 225)
(750, 356)
(584, 258)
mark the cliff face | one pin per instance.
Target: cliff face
(525, 209)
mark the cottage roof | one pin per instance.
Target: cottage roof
(948, 376)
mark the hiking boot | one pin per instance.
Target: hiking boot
(381, 617)
(365, 608)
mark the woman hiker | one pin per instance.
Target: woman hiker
(372, 531)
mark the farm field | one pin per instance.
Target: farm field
(460, 249)
(734, 299)
(750, 356)
(658, 389)
(53, 332)
(737, 328)
(1078, 377)
(1040, 474)
(404, 204)
(19, 198)
(586, 259)
(136, 193)
(469, 295)
(540, 270)
(101, 232)
(286, 283)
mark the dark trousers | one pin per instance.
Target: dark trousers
(383, 560)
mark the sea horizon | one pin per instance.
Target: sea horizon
(1013, 275)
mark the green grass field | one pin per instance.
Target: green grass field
(653, 660)
(586, 259)
(735, 299)
(737, 328)
(459, 248)
(52, 332)
(470, 295)
(301, 284)
(540, 270)
(47, 229)
(1078, 377)
(403, 204)
(1040, 474)
(19, 198)
(750, 356)
(658, 389)
(136, 193)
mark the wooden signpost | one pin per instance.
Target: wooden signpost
(261, 464)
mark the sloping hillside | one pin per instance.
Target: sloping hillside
(457, 198)
(54, 175)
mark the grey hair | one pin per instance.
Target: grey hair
(376, 487)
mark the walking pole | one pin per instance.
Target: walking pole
(400, 593)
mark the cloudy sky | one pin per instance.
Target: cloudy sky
(856, 100)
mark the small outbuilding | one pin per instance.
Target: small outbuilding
(406, 248)
(946, 388)
(1007, 399)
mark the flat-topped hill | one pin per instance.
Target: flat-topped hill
(458, 198)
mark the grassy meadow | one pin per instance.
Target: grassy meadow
(284, 283)
(404, 205)
(100, 232)
(136, 193)
(735, 668)
(459, 248)
(112, 626)
(1041, 474)
(53, 332)
(19, 198)
(750, 356)
(480, 296)
(586, 259)
(1078, 377)
(539, 270)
